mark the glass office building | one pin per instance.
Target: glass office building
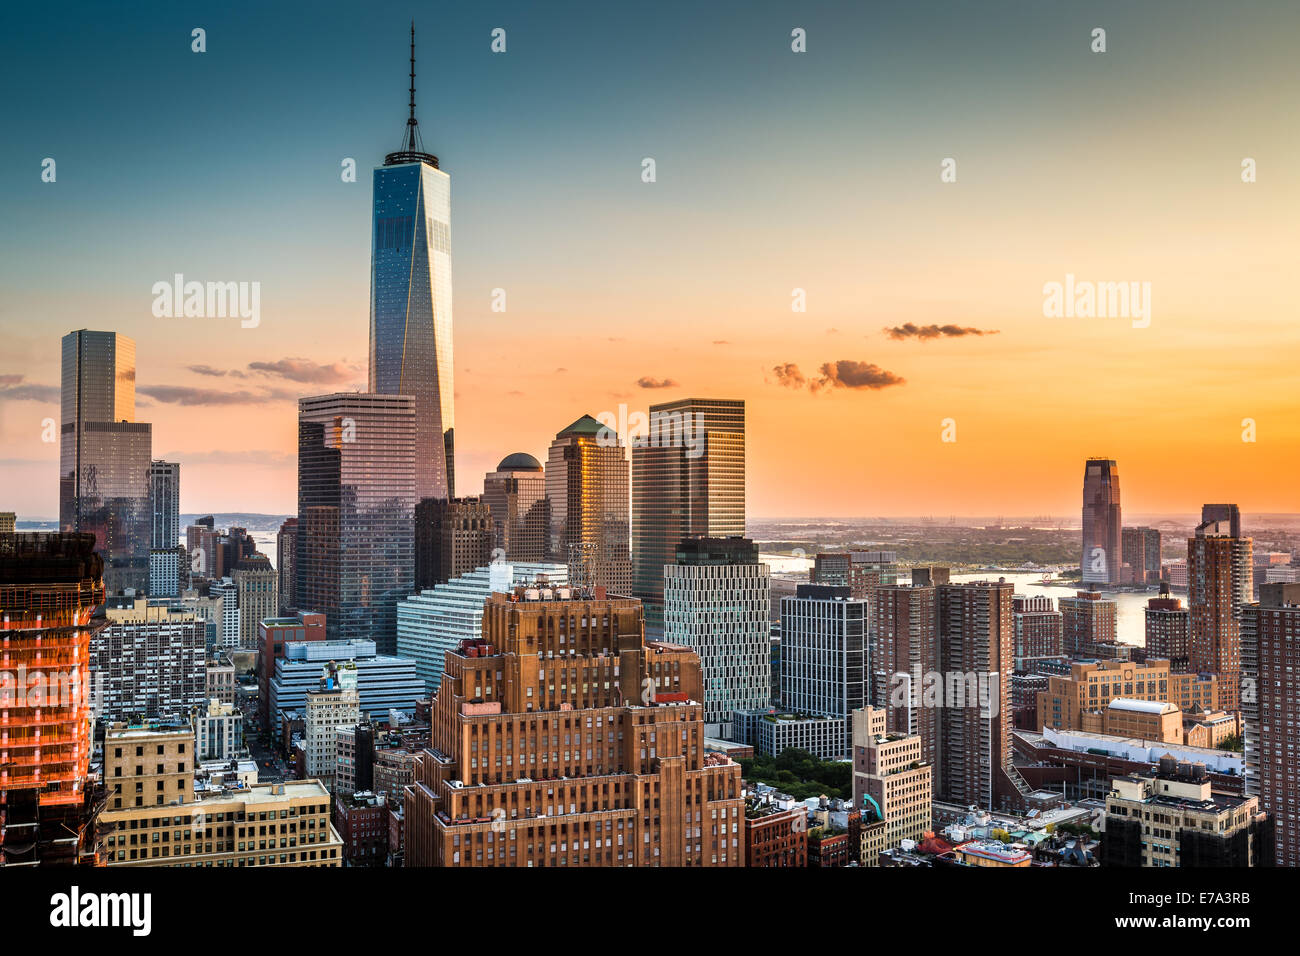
(105, 455)
(356, 503)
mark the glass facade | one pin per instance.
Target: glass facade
(1103, 555)
(356, 504)
(105, 455)
(682, 487)
(587, 486)
(410, 311)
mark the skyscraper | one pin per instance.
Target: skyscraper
(1141, 547)
(356, 503)
(258, 587)
(410, 300)
(688, 480)
(1103, 554)
(824, 654)
(904, 650)
(718, 601)
(165, 504)
(1219, 585)
(516, 493)
(451, 538)
(586, 485)
(286, 555)
(1087, 622)
(105, 455)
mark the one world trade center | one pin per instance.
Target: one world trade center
(410, 299)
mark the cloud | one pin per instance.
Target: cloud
(307, 371)
(645, 381)
(789, 375)
(14, 389)
(184, 395)
(909, 330)
(847, 373)
(216, 372)
(721, 342)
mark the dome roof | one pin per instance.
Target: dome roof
(519, 461)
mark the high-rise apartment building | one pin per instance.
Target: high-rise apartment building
(50, 585)
(904, 649)
(861, 571)
(410, 302)
(150, 661)
(356, 504)
(587, 490)
(1219, 584)
(1228, 513)
(717, 601)
(1038, 627)
(1169, 631)
(286, 557)
(1141, 548)
(1087, 623)
(824, 658)
(1270, 707)
(688, 480)
(890, 774)
(452, 537)
(225, 594)
(563, 738)
(976, 640)
(1103, 552)
(516, 495)
(258, 587)
(165, 504)
(105, 455)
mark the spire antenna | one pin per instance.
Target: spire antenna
(412, 150)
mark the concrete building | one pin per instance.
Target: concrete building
(149, 764)
(226, 592)
(335, 704)
(1144, 719)
(1168, 631)
(257, 587)
(860, 571)
(1171, 817)
(286, 555)
(890, 775)
(218, 732)
(771, 732)
(717, 600)
(1092, 685)
(383, 683)
(165, 572)
(150, 661)
(1038, 628)
(272, 635)
(1087, 623)
(1219, 586)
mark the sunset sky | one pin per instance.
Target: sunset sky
(775, 171)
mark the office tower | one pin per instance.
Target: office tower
(258, 595)
(891, 775)
(521, 522)
(904, 650)
(165, 504)
(824, 654)
(228, 620)
(1103, 552)
(861, 571)
(356, 504)
(1087, 623)
(150, 661)
(688, 480)
(717, 601)
(384, 683)
(165, 573)
(1168, 631)
(1173, 817)
(1141, 548)
(105, 455)
(1223, 512)
(333, 705)
(1270, 708)
(1219, 584)
(500, 787)
(975, 647)
(587, 488)
(451, 538)
(410, 300)
(1038, 627)
(286, 554)
(8, 521)
(50, 585)
(434, 621)
(203, 545)
(272, 636)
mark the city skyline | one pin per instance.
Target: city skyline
(896, 265)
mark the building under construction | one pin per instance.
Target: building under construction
(50, 586)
